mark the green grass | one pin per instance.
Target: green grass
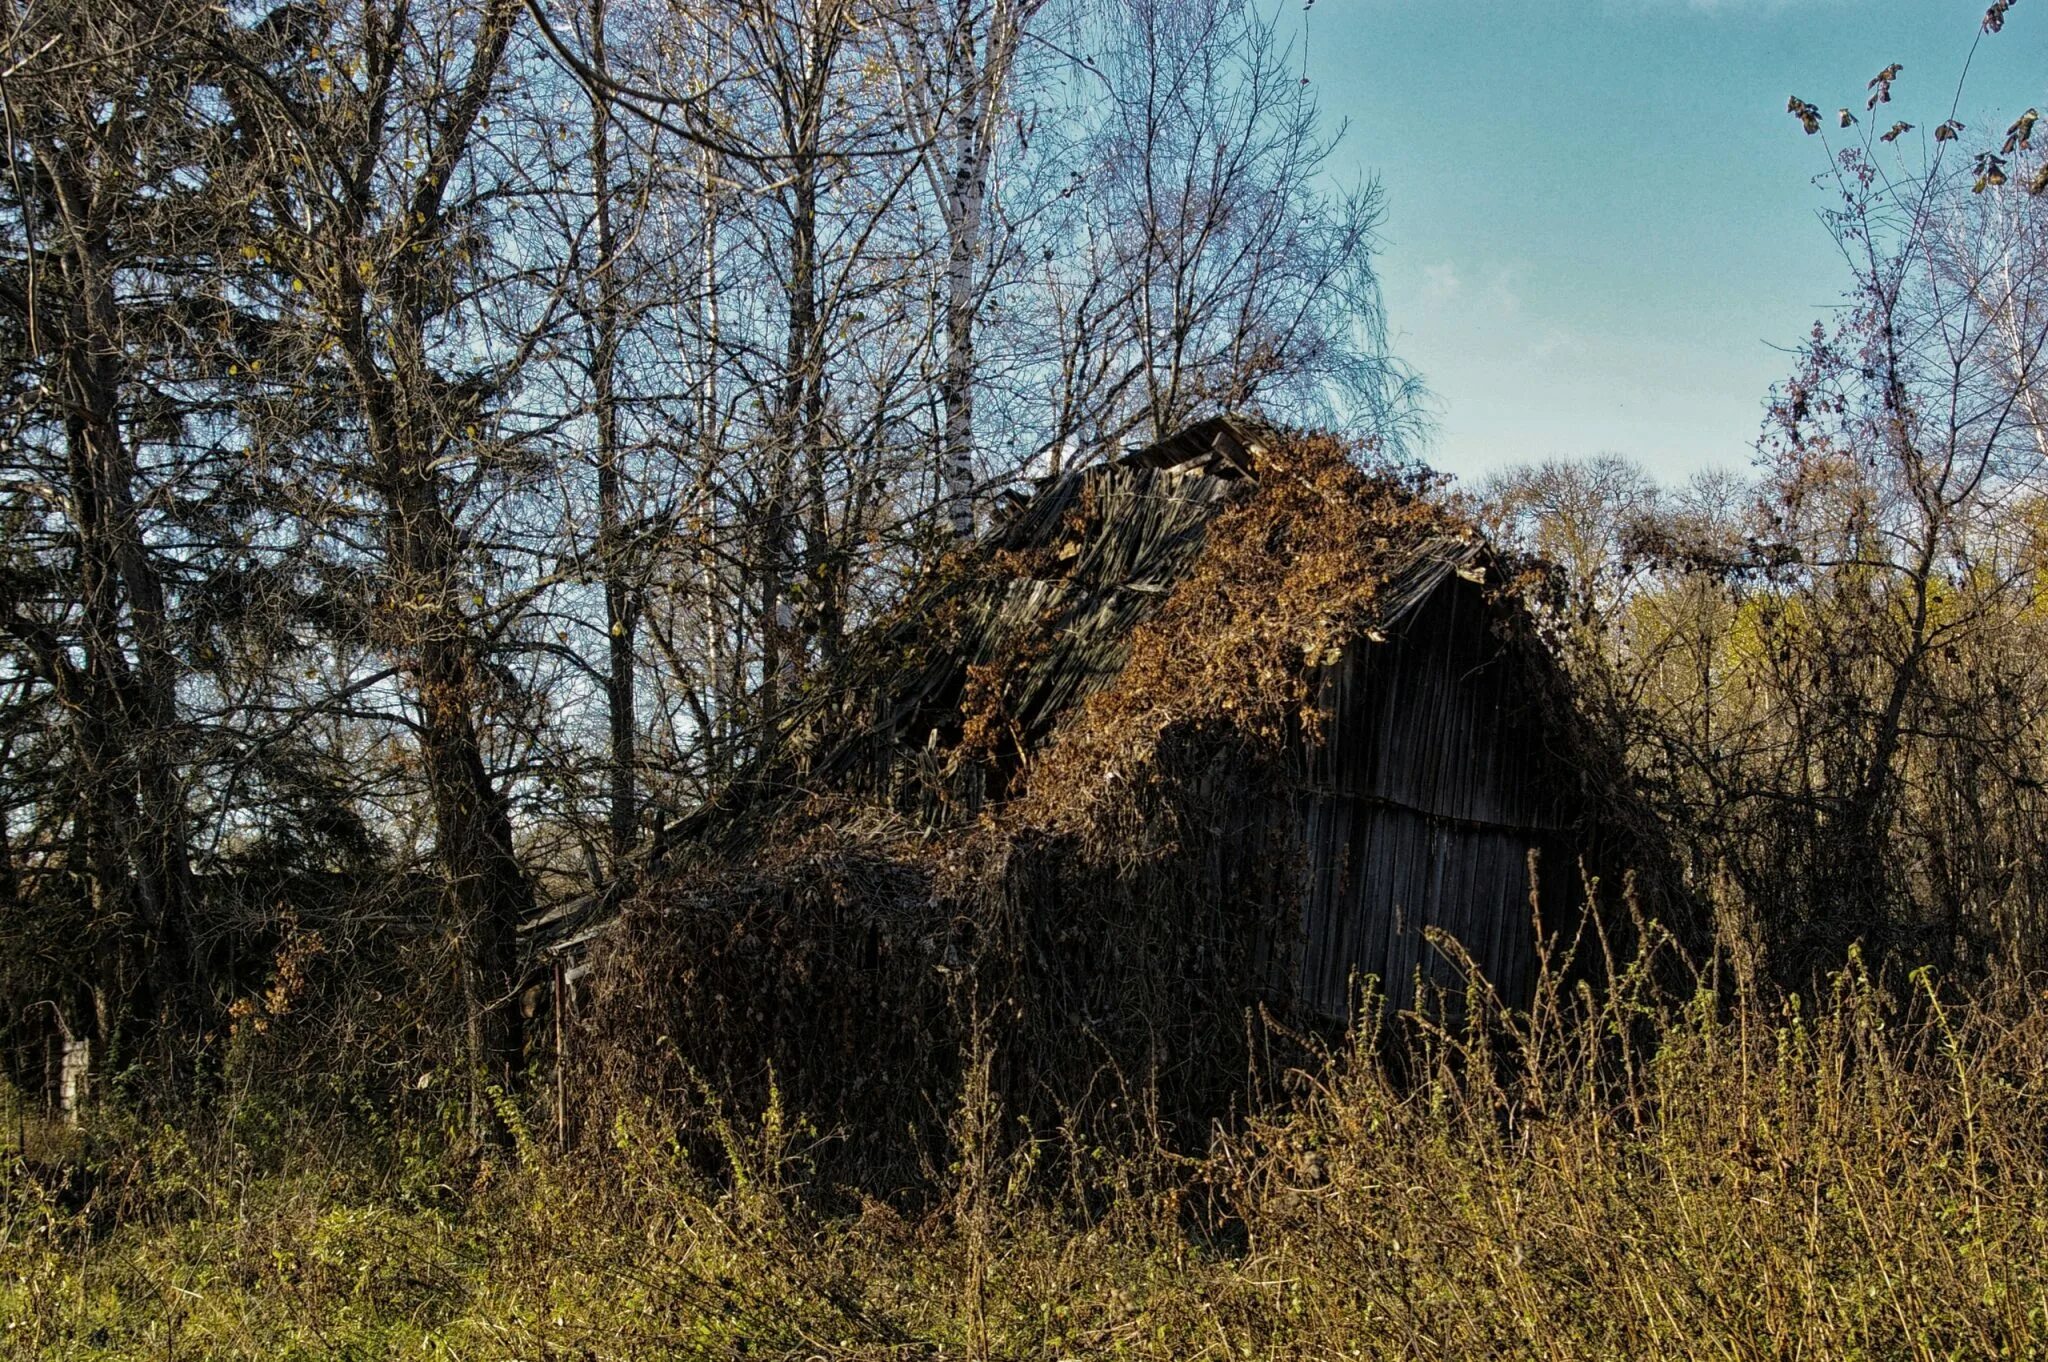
(1852, 1178)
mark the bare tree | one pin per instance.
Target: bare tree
(1201, 265)
(620, 608)
(372, 212)
(957, 62)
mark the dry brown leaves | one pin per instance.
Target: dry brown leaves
(1288, 579)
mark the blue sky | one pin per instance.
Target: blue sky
(1602, 229)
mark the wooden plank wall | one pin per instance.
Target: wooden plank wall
(1420, 805)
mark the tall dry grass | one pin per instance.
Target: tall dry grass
(1646, 1171)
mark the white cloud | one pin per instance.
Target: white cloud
(1496, 288)
(1441, 282)
(1503, 292)
(1553, 341)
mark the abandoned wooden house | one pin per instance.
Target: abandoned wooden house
(1229, 722)
(1434, 775)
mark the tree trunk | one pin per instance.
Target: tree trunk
(129, 731)
(620, 609)
(484, 888)
(979, 58)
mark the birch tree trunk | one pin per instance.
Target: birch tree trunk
(963, 100)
